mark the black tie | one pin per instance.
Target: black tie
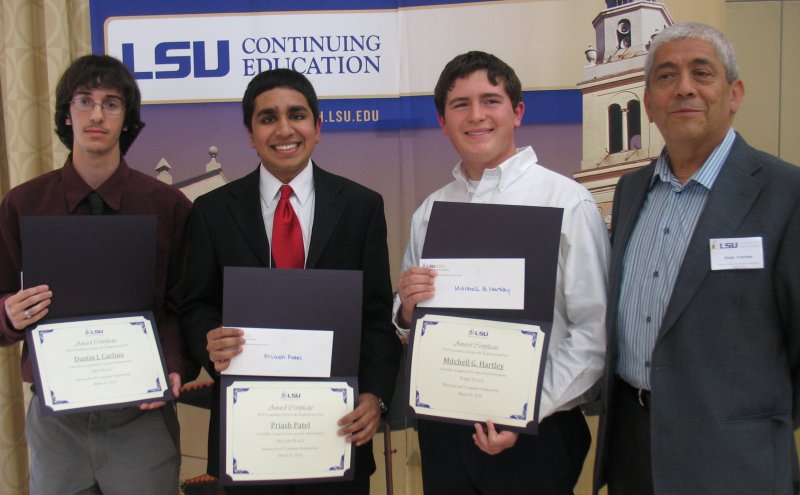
(96, 203)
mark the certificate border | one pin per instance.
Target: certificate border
(225, 479)
(532, 427)
(49, 411)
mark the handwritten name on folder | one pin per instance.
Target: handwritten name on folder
(480, 283)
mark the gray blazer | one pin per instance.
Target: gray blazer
(725, 373)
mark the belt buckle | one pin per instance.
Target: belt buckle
(641, 395)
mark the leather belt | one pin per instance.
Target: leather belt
(641, 395)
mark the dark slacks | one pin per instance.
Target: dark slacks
(355, 487)
(548, 463)
(629, 462)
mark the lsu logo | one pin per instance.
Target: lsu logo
(478, 333)
(188, 56)
(291, 395)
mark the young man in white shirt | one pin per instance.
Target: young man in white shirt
(479, 101)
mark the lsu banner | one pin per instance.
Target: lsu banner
(373, 63)
(213, 57)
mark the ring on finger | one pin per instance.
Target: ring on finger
(27, 314)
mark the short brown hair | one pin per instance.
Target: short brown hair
(465, 64)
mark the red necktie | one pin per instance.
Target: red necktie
(287, 236)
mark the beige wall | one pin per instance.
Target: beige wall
(766, 35)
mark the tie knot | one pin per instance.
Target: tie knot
(286, 191)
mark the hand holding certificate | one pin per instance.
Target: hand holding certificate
(285, 430)
(485, 360)
(280, 407)
(94, 364)
(471, 370)
(103, 351)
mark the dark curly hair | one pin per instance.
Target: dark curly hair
(99, 71)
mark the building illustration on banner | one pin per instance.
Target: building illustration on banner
(200, 184)
(617, 136)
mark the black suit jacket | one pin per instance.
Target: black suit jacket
(348, 233)
(725, 373)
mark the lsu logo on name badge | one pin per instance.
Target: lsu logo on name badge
(737, 253)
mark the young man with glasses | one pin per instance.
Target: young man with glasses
(121, 451)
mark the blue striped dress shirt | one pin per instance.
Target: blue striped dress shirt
(654, 257)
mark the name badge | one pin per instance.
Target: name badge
(737, 253)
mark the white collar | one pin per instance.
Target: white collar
(302, 184)
(509, 171)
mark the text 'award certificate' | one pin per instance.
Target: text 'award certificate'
(476, 370)
(286, 430)
(97, 364)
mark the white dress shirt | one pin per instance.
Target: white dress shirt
(576, 353)
(302, 201)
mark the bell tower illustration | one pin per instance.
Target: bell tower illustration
(617, 136)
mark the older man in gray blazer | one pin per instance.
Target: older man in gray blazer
(702, 389)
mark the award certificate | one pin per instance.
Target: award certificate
(475, 370)
(97, 364)
(286, 430)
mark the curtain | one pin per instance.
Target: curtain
(38, 39)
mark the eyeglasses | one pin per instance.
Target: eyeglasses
(86, 104)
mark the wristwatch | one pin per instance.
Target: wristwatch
(383, 406)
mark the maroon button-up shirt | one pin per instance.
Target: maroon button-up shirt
(126, 192)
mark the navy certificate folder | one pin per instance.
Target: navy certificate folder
(99, 267)
(94, 264)
(468, 230)
(259, 297)
(299, 299)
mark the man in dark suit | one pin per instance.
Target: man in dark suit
(341, 226)
(702, 387)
